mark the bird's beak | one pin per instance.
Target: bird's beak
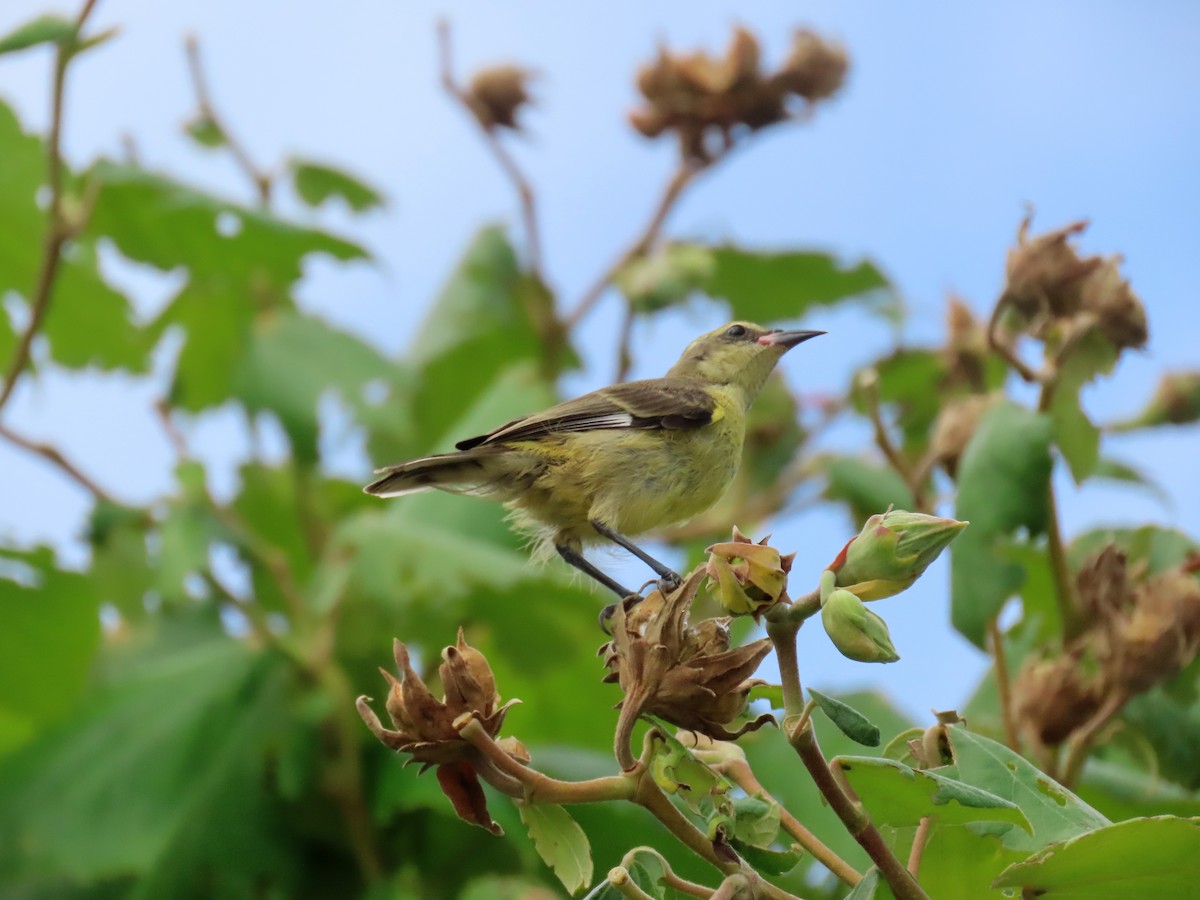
(787, 339)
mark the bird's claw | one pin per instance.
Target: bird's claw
(606, 614)
(670, 583)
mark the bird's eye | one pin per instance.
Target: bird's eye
(735, 331)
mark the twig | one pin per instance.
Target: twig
(743, 776)
(58, 229)
(1081, 739)
(55, 458)
(669, 878)
(520, 183)
(1003, 688)
(682, 177)
(624, 355)
(918, 846)
(261, 179)
(626, 887)
(869, 384)
(782, 632)
(1005, 351)
(1064, 583)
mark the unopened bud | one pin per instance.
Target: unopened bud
(496, 94)
(1176, 401)
(815, 69)
(749, 577)
(891, 552)
(858, 633)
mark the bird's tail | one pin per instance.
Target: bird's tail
(455, 472)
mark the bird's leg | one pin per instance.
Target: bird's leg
(669, 579)
(576, 559)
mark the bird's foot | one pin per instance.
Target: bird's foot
(606, 614)
(669, 583)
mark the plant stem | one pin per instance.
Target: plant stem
(684, 173)
(520, 183)
(742, 775)
(782, 633)
(1081, 739)
(1003, 688)
(1003, 349)
(918, 846)
(53, 456)
(58, 229)
(260, 179)
(539, 788)
(651, 798)
(669, 878)
(625, 886)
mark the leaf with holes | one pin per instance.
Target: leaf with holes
(317, 183)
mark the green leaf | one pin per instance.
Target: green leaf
(317, 183)
(1155, 547)
(121, 567)
(868, 888)
(897, 795)
(1074, 434)
(1120, 471)
(756, 822)
(1156, 857)
(47, 29)
(167, 776)
(167, 224)
(666, 277)
(765, 860)
(866, 487)
(1002, 482)
(51, 631)
(849, 720)
(1122, 792)
(960, 862)
(560, 842)
(1171, 725)
(205, 131)
(678, 772)
(1053, 811)
(770, 287)
(21, 221)
(290, 361)
(912, 382)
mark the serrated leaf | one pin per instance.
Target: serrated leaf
(1053, 811)
(865, 486)
(898, 795)
(1074, 434)
(1155, 857)
(770, 287)
(1002, 483)
(560, 841)
(317, 183)
(48, 29)
(848, 720)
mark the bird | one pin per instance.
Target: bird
(618, 462)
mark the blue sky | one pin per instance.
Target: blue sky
(954, 117)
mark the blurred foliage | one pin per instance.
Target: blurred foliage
(204, 741)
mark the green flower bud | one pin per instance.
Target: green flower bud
(858, 633)
(891, 552)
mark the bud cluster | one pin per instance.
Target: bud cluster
(424, 727)
(1059, 294)
(889, 554)
(697, 94)
(747, 577)
(1142, 631)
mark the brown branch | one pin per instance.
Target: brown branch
(58, 228)
(55, 458)
(261, 179)
(520, 183)
(1003, 688)
(1003, 349)
(743, 776)
(800, 734)
(913, 477)
(1082, 738)
(682, 177)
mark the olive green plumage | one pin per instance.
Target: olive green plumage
(627, 458)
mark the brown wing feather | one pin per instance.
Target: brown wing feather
(655, 403)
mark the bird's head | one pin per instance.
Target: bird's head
(740, 353)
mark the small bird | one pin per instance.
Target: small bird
(619, 461)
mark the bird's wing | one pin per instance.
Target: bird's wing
(656, 403)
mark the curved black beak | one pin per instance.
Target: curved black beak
(787, 339)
